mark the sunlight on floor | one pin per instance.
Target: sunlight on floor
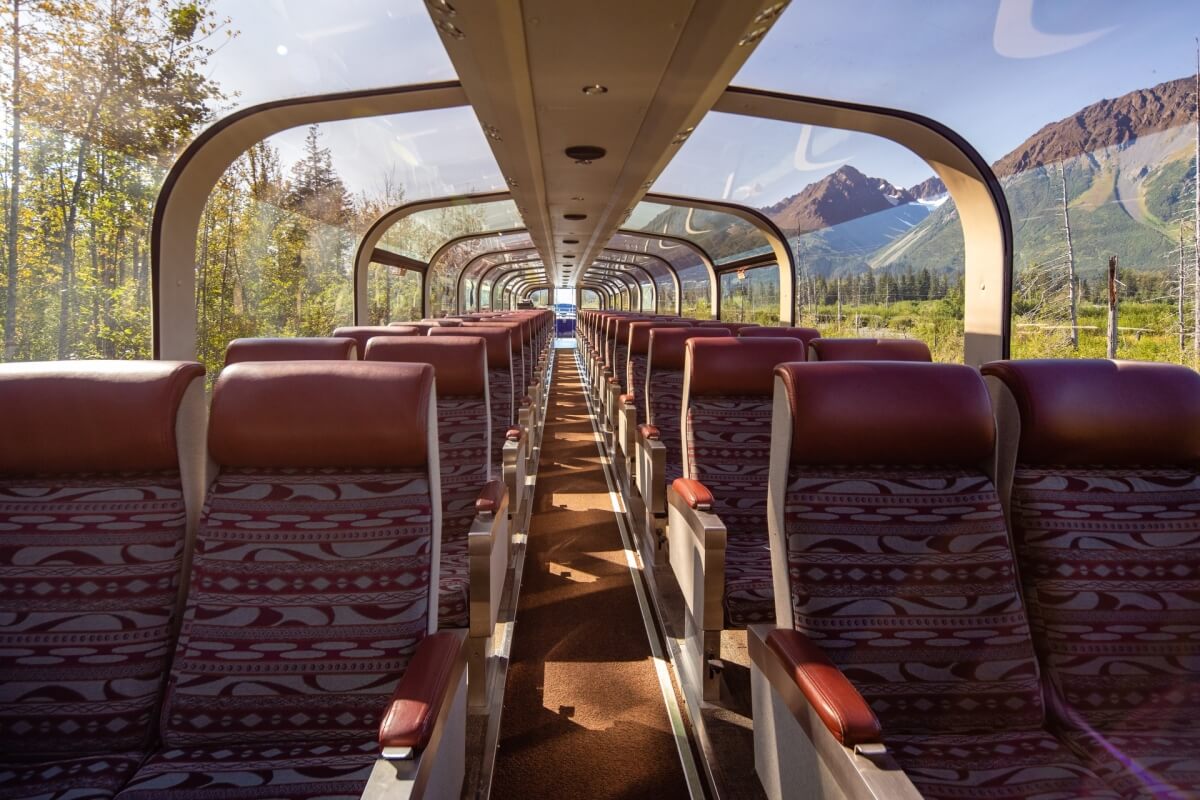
(596, 695)
(571, 573)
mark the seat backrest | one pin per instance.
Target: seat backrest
(727, 393)
(734, 327)
(363, 333)
(501, 382)
(314, 559)
(889, 547)
(868, 350)
(101, 481)
(662, 392)
(520, 353)
(634, 372)
(314, 348)
(805, 335)
(618, 355)
(1105, 511)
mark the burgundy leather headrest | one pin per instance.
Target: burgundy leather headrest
(734, 327)
(512, 326)
(363, 333)
(733, 366)
(499, 342)
(281, 414)
(667, 345)
(459, 362)
(91, 416)
(805, 335)
(314, 348)
(423, 325)
(639, 334)
(445, 322)
(622, 331)
(1099, 412)
(888, 413)
(870, 350)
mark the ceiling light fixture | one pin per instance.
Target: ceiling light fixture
(753, 36)
(585, 153)
(450, 29)
(595, 89)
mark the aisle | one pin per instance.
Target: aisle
(583, 709)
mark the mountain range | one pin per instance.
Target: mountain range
(1126, 163)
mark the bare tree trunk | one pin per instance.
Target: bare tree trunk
(14, 200)
(1196, 223)
(1182, 281)
(1074, 300)
(1112, 307)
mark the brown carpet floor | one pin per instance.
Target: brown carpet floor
(583, 712)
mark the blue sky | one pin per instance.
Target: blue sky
(994, 70)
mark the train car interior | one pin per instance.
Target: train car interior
(707, 399)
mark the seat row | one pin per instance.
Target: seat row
(247, 602)
(921, 650)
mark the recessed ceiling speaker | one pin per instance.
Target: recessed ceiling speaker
(585, 152)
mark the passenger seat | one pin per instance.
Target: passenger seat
(101, 482)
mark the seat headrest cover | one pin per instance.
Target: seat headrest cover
(499, 342)
(510, 325)
(871, 350)
(639, 334)
(805, 335)
(732, 366)
(315, 348)
(667, 344)
(91, 416)
(888, 413)
(1100, 412)
(281, 414)
(459, 362)
(623, 327)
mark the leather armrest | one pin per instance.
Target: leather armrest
(514, 434)
(839, 705)
(491, 497)
(526, 400)
(648, 432)
(626, 398)
(426, 684)
(694, 493)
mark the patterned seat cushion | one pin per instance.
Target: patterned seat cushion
(463, 446)
(89, 578)
(500, 399)
(664, 401)
(235, 772)
(1110, 563)
(1144, 765)
(96, 777)
(454, 579)
(1111, 568)
(909, 587)
(1029, 765)
(729, 450)
(636, 383)
(309, 593)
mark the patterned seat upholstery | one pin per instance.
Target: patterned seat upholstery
(664, 389)
(637, 360)
(100, 481)
(310, 582)
(1106, 521)
(894, 548)
(728, 386)
(501, 382)
(519, 353)
(464, 434)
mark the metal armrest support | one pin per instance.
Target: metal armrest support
(514, 453)
(651, 470)
(627, 425)
(796, 753)
(696, 537)
(423, 733)
(488, 547)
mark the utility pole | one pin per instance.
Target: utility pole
(1112, 307)
(1070, 263)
